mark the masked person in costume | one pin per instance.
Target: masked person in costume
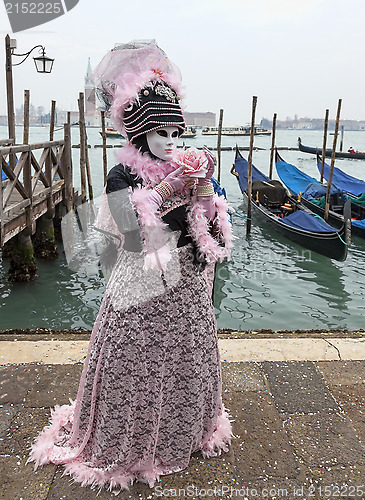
(150, 391)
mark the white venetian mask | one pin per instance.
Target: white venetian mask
(163, 141)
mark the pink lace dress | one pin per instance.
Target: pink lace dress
(150, 391)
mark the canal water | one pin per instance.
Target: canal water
(269, 283)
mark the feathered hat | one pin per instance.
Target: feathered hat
(140, 88)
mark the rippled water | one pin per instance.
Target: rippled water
(269, 283)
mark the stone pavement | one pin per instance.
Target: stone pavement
(299, 424)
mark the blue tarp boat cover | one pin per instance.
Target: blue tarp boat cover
(241, 167)
(358, 223)
(344, 181)
(299, 182)
(218, 188)
(295, 180)
(3, 175)
(307, 222)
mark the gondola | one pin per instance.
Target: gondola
(272, 204)
(354, 188)
(338, 154)
(313, 195)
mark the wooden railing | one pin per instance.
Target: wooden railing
(33, 186)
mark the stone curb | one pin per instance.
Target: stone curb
(232, 350)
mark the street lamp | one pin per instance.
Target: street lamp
(42, 63)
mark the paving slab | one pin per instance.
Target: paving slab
(270, 488)
(15, 382)
(199, 479)
(23, 429)
(342, 372)
(261, 447)
(341, 482)
(325, 440)
(63, 488)
(297, 387)
(242, 376)
(21, 482)
(54, 384)
(351, 399)
(7, 413)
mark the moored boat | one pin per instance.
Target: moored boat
(313, 195)
(189, 133)
(236, 131)
(354, 188)
(357, 155)
(274, 206)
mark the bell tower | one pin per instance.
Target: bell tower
(90, 107)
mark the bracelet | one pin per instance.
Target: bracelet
(205, 190)
(164, 190)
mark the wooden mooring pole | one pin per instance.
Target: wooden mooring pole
(105, 157)
(82, 147)
(333, 157)
(53, 119)
(26, 117)
(219, 144)
(84, 151)
(272, 145)
(249, 168)
(324, 143)
(341, 142)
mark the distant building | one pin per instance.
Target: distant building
(207, 119)
(316, 124)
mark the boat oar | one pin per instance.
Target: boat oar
(219, 143)
(272, 145)
(347, 221)
(324, 143)
(249, 168)
(333, 156)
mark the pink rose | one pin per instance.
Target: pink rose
(193, 161)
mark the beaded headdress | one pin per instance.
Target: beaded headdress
(140, 88)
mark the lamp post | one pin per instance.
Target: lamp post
(43, 64)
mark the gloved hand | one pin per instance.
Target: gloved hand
(205, 181)
(177, 180)
(207, 201)
(173, 182)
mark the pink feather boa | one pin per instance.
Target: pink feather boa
(199, 230)
(152, 227)
(149, 170)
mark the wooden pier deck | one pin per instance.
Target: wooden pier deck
(33, 186)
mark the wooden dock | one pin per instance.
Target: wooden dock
(39, 177)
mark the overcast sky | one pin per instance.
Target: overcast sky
(298, 56)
